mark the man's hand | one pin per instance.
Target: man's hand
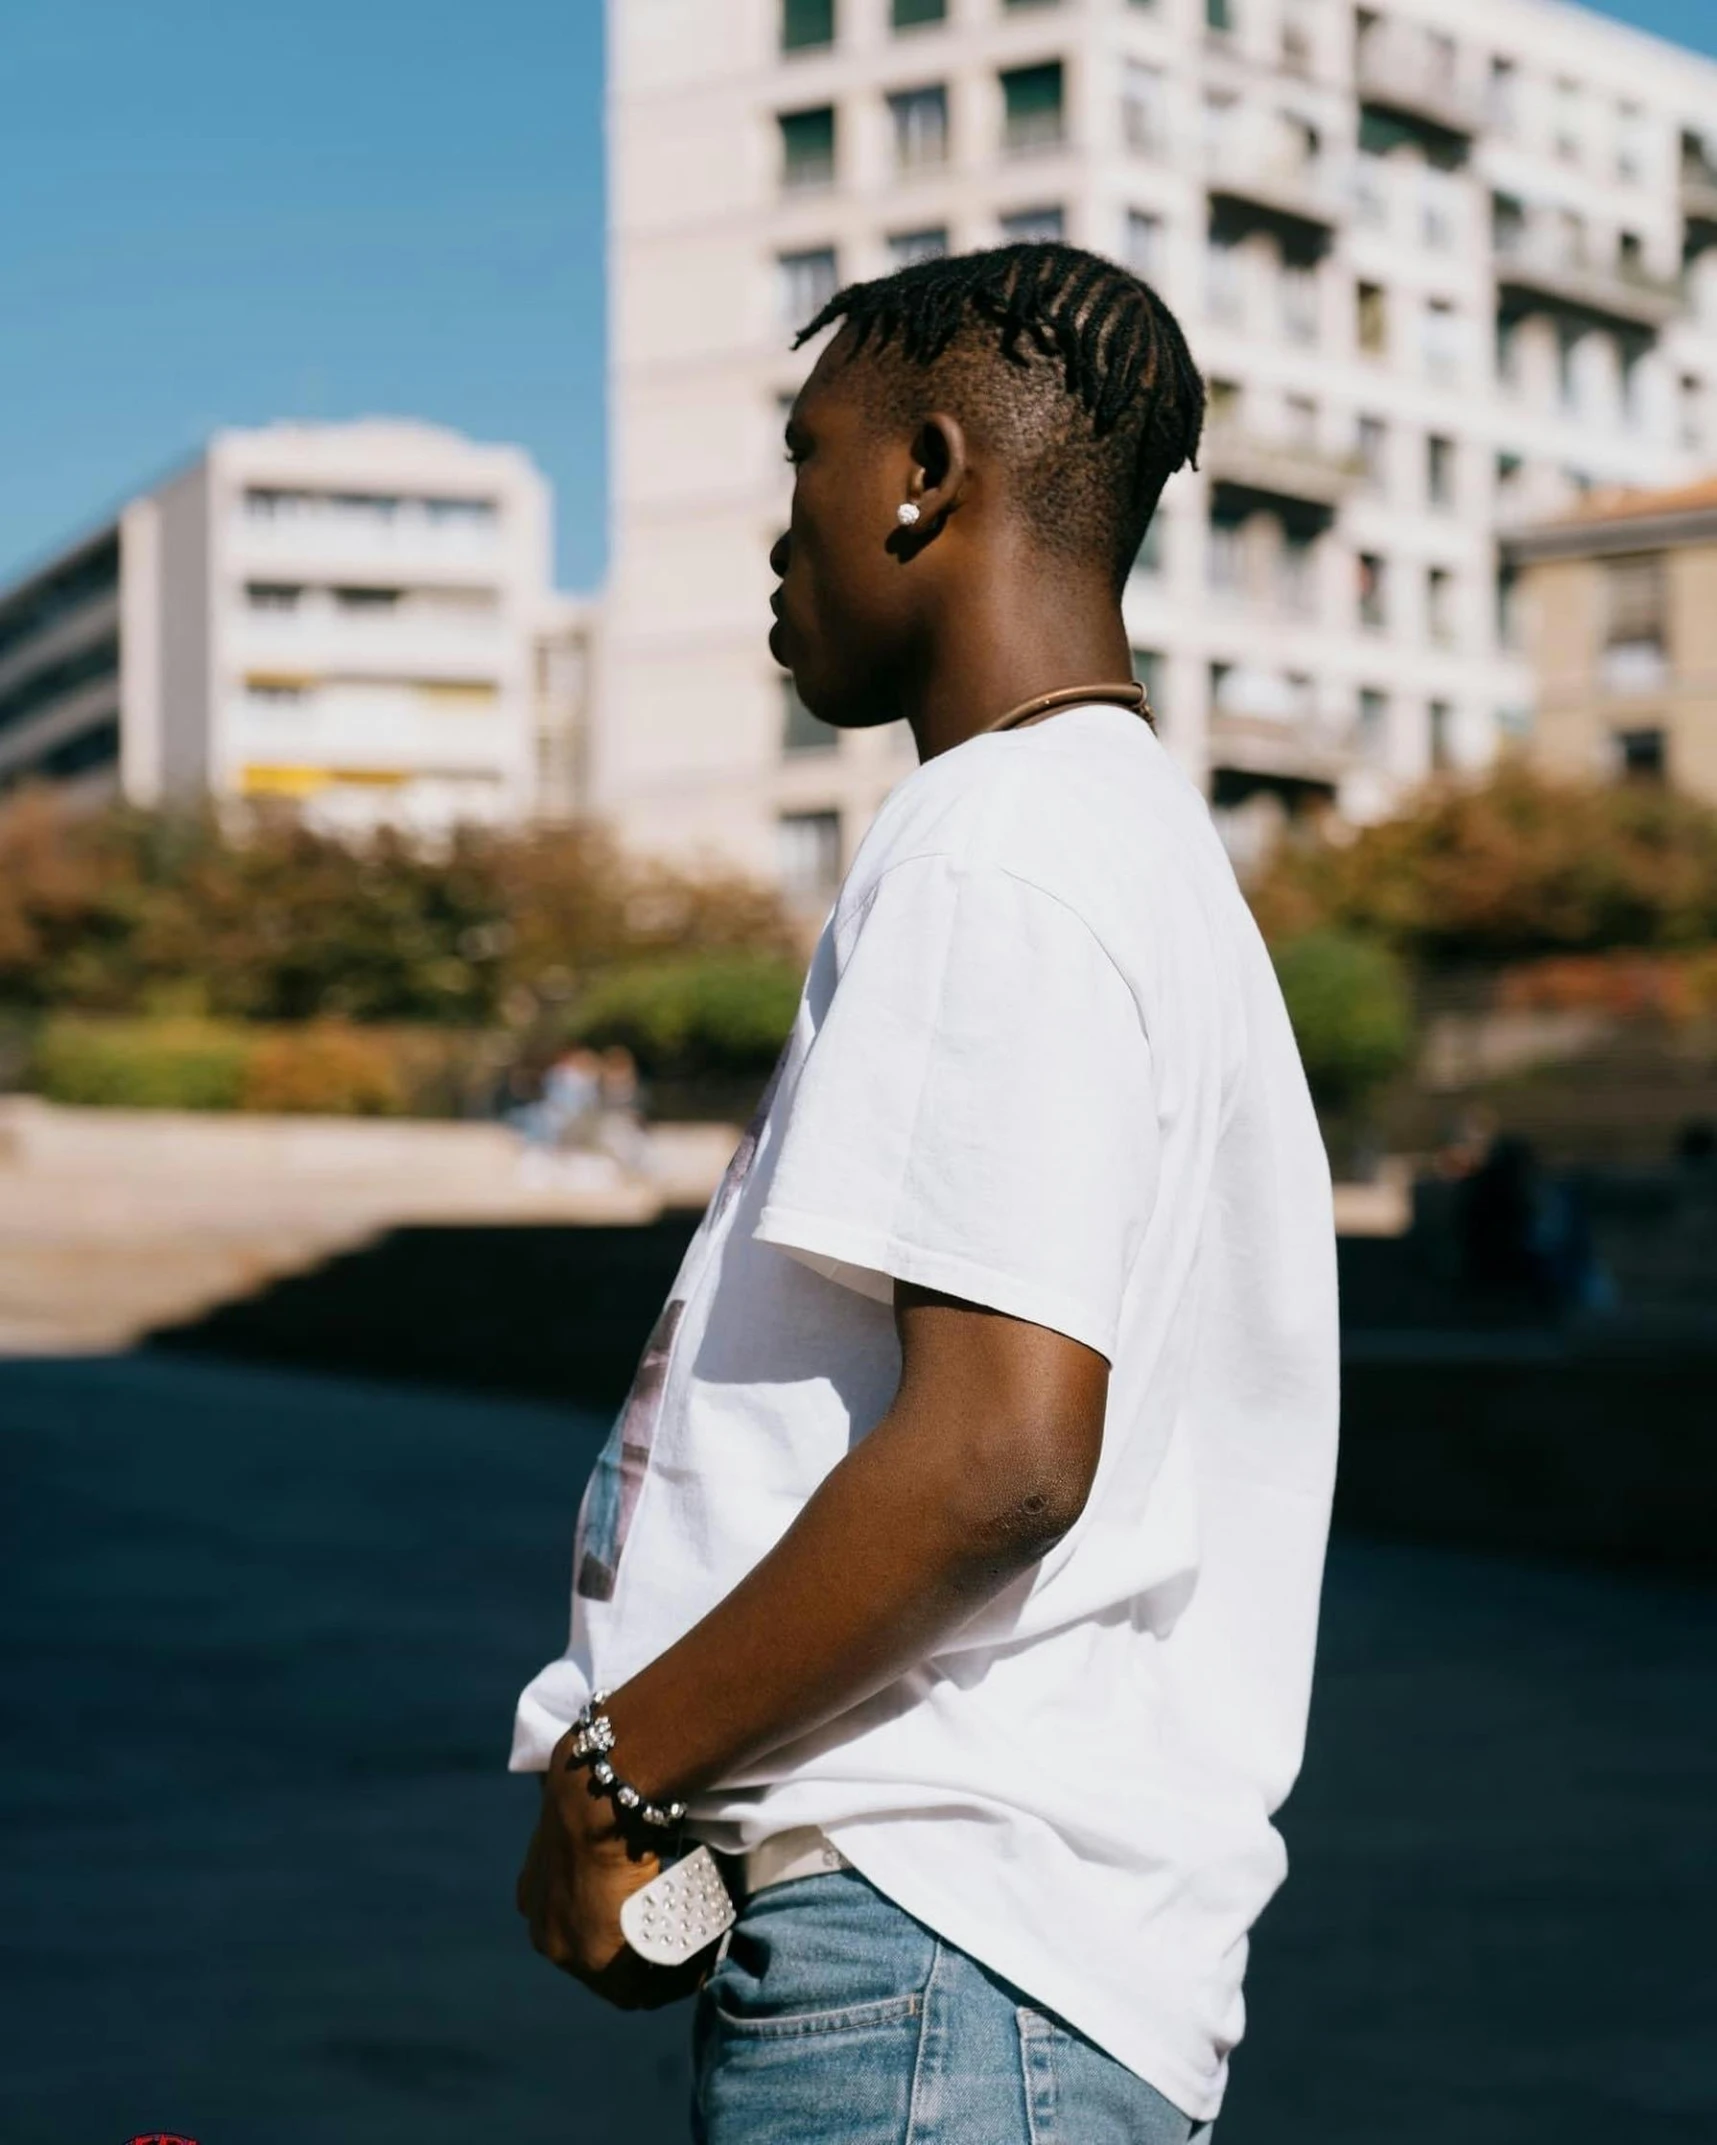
(578, 1870)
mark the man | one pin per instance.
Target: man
(956, 1559)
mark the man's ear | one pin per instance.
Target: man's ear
(937, 482)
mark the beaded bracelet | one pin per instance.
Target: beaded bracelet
(593, 1738)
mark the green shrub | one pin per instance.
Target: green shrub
(1348, 1000)
(142, 1064)
(721, 1017)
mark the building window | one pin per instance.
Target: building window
(1373, 722)
(1143, 107)
(806, 24)
(1440, 339)
(1502, 104)
(1299, 298)
(1440, 722)
(1634, 606)
(1225, 278)
(1298, 44)
(1373, 450)
(1630, 143)
(800, 729)
(1373, 592)
(1219, 17)
(1440, 606)
(1439, 471)
(920, 127)
(1297, 571)
(1226, 559)
(905, 247)
(1372, 318)
(1508, 623)
(808, 855)
(272, 595)
(1568, 340)
(1033, 226)
(1142, 244)
(910, 14)
(805, 282)
(1566, 130)
(1149, 558)
(1301, 412)
(1033, 111)
(368, 599)
(1690, 402)
(807, 148)
(1641, 755)
(276, 692)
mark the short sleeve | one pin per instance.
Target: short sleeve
(976, 1112)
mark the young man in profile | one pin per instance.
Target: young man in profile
(956, 1560)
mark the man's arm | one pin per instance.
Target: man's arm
(981, 1464)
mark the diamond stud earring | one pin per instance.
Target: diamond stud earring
(906, 513)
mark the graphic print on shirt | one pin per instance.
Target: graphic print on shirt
(618, 1479)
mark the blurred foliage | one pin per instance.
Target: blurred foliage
(332, 1067)
(1352, 1012)
(1673, 987)
(1509, 868)
(137, 913)
(721, 1017)
(172, 1064)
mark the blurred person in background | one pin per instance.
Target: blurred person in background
(953, 1568)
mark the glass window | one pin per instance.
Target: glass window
(1299, 299)
(800, 729)
(808, 855)
(908, 14)
(808, 147)
(1634, 599)
(1219, 16)
(1630, 143)
(1032, 100)
(273, 595)
(368, 599)
(1567, 122)
(1227, 553)
(1373, 592)
(1373, 445)
(905, 247)
(1301, 412)
(1297, 573)
(1149, 560)
(805, 282)
(1034, 226)
(1440, 470)
(1641, 755)
(1440, 606)
(1142, 244)
(1373, 318)
(920, 127)
(1373, 721)
(1503, 101)
(1225, 278)
(1508, 619)
(1440, 719)
(1440, 339)
(806, 23)
(1143, 107)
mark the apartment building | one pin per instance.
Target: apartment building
(1445, 266)
(1619, 607)
(349, 616)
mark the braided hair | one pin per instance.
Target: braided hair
(1074, 367)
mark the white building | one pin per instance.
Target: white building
(346, 615)
(1442, 263)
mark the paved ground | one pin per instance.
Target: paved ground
(259, 1638)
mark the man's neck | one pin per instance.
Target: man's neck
(1004, 646)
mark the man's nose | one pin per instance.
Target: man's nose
(778, 555)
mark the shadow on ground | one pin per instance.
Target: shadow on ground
(261, 1632)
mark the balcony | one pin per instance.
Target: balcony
(1256, 189)
(1401, 76)
(1533, 274)
(1699, 202)
(1284, 746)
(1276, 471)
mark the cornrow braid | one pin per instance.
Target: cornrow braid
(1114, 338)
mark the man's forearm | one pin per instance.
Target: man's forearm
(898, 1547)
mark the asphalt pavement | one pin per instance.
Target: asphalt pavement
(261, 1633)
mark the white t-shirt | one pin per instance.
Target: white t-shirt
(1041, 1063)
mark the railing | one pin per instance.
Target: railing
(1530, 262)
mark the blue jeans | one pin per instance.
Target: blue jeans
(836, 2019)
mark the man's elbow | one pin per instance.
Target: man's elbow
(1030, 1489)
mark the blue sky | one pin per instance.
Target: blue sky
(215, 212)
